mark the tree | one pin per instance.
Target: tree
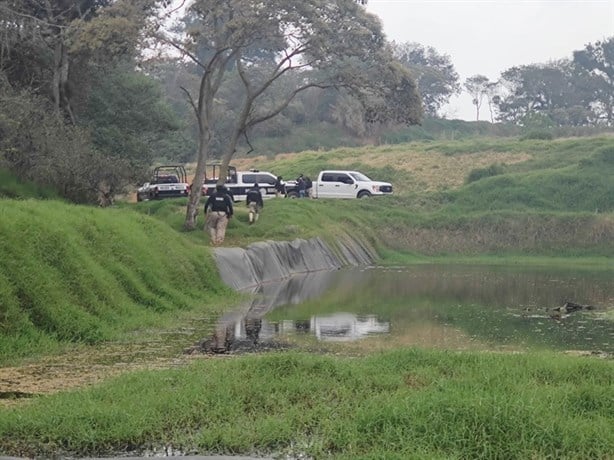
(477, 86)
(327, 43)
(598, 61)
(47, 28)
(434, 73)
(74, 61)
(553, 90)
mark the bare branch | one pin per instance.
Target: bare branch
(190, 99)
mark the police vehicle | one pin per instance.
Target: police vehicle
(239, 182)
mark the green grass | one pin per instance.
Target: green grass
(401, 404)
(11, 187)
(73, 274)
(584, 186)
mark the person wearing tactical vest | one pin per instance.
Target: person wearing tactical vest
(254, 203)
(218, 209)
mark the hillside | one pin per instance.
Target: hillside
(80, 274)
(480, 195)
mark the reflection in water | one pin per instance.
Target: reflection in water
(451, 307)
(340, 326)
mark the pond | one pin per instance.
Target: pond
(456, 307)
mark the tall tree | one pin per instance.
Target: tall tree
(477, 86)
(552, 90)
(63, 56)
(49, 23)
(434, 73)
(329, 43)
(598, 60)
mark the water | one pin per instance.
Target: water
(434, 306)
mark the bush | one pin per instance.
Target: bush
(481, 173)
(607, 154)
(538, 135)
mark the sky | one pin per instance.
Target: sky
(488, 37)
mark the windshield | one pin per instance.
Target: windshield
(360, 177)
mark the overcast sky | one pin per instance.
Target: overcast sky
(489, 36)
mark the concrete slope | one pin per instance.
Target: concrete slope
(266, 261)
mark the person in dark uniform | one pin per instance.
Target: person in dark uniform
(254, 203)
(280, 187)
(301, 186)
(218, 209)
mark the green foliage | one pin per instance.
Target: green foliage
(320, 136)
(480, 173)
(128, 116)
(399, 404)
(12, 187)
(538, 135)
(585, 186)
(596, 60)
(606, 154)
(437, 79)
(75, 274)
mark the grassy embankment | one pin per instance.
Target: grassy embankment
(72, 274)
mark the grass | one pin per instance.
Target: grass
(77, 274)
(399, 404)
(11, 187)
(81, 276)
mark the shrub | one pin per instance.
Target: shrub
(538, 135)
(607, 154)
(480, 173)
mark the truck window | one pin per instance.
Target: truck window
(344, 178)
(250, 178)
(266, 179)
(360, 177)
(327, 177)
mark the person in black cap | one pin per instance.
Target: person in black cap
(218, 209)
(254, 203)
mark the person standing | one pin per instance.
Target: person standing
(254, 203)
(218, 209)
(301, 186)
(308, 187)
(280, 187)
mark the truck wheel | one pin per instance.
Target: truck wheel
(292, 194)
(364, 194)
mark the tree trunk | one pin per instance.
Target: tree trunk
(61, 67)
(57, 65)
(197, 185)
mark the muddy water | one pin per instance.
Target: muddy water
(433, 306)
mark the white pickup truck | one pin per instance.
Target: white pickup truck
(347, 184)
